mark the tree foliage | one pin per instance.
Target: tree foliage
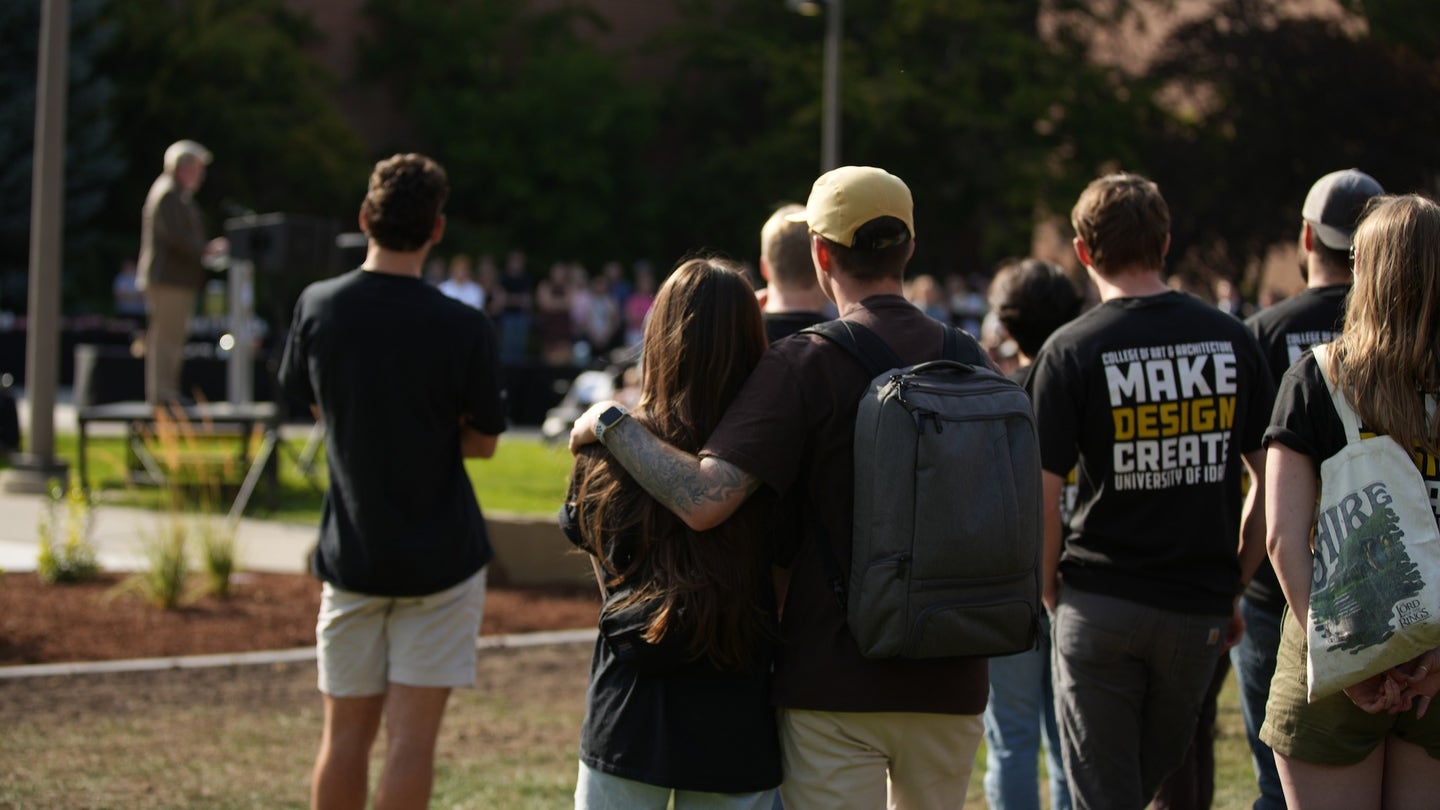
(541, 133)
(1268, 105)
(994, 111)
(92, 161)
(233, 75)
(985, 119)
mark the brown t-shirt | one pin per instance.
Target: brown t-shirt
(792, 426)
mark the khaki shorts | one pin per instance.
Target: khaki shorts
(863, 760)
(1333, 730)
(364, 643)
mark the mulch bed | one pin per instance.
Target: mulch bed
(103, 620)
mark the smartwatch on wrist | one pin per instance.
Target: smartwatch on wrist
(610, 417)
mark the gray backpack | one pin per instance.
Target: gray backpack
(945, 558)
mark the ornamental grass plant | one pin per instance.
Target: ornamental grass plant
(67, 553)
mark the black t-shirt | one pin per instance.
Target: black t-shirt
(784, 324)
(1285, 331)
(394, 366)
(691, 728)
(1152, 401)
(1305, 421)
(793, 426)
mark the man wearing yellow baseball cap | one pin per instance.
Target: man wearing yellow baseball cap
(855, 730)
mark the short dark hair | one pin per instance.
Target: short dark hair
(1124, 221)
(882, 247)
(1031, 299)
(1330, 257)
(406, 195)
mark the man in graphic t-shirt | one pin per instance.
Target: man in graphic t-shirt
(1156, 399)
(1285, 331)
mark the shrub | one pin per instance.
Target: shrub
(167, 571)
(217, 554)
(66, 551)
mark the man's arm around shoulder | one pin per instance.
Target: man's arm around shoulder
(701, 491)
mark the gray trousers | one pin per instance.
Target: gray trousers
(1129, 682)
(169, 307)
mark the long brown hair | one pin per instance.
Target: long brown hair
(1389, 351)
(703, 337)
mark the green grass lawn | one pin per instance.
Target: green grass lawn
(526, 476)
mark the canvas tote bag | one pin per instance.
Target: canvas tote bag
(1375, 590)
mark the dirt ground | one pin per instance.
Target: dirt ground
(244, 735)
(102, 620)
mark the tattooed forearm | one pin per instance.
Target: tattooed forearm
(701, 492)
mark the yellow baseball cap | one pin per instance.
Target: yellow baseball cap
(844, 199)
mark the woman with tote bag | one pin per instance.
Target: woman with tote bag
(1369, 591)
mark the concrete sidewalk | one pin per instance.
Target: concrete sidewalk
(120, 532)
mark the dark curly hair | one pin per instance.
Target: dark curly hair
(1033, 298)
(406, 195)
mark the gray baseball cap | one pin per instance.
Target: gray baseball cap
(1334, 204)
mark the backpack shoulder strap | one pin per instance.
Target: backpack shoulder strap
(953, 349)
(868, 348)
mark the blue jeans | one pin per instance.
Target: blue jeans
(1021, 710)
(1254, 662)
(595, 790)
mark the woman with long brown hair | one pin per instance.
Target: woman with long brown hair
(678, 698)
(1377, 744)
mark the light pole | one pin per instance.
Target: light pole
(31, 472)
(834, 11)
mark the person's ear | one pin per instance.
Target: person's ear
(439, 229)
(1307, 238)
(360, 217)
(1165, 251)
(820, 254)
(1082, 252)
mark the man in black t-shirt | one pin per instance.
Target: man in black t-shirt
(405, 381)
(1154, 398)
(1285, 331)
(792, 299)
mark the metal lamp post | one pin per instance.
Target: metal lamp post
(33, 471)
(834, 11)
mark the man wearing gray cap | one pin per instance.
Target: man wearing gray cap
(855, 732)
(1315, 315)
(1285, 331)
(172, 246)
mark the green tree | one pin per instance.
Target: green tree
(1269, 104)
(233, 75)
(987, 120)
(542, 135)
(92, 160)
